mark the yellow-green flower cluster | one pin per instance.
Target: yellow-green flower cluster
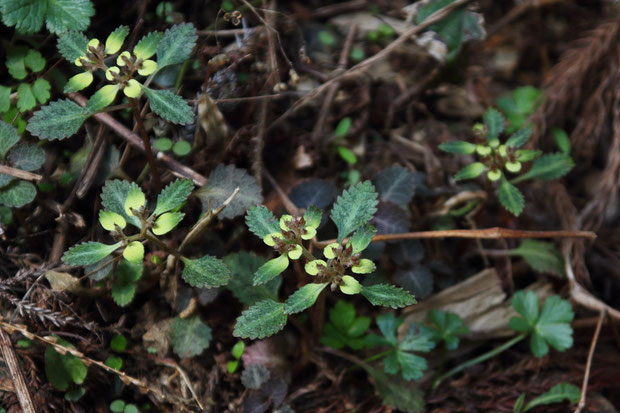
(496, 156)
(128, 64)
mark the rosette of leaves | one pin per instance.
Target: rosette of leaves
(500, 160)
(400, 355)
(63, 118)
(25, 156)
(125, 207)
(28, 16)
(23, 64)
(340, 263)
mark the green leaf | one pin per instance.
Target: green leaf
(313, 216)
(15, 62)
(518, 407)
(27, 156)
(8, 138)
(303, 298)
(17, 194)
(147, 46)
(63, 369)
(362, 237)
(344, 328)
(118, 343)
(388, 295)
(561, 140)
(558, 393)
(343, 127)
(398, 394)
(113, 198)
(25, 97)
(169, 106)
(101, 99)
(117, 406)
(238, 349)
(58, 120)
(114, 362)
(261, 320)
(190, 336)
(115, 40)
(176, 45)
(354, 208)
(26, 15)
(5, 98)
(549, 327)
(221, 183)
(271, 269)
(173, 196)
(125, 278)
(540, 255)
(494, 122)
(520, 137)
(72, 45)
(396, 184)
(347, 155)
(526, 155)
(64, 15)
(548, 167)
(510, 197)
(261, 221)
(34, 60)
(182, 148)
(242, 267)
(446, 327)
(205, 272)
(470, 171)
(41, 90)
(458, 147)
(166, 222)
(88, 253)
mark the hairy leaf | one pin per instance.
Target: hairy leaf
(72, 45)
(458, 147)
(41, 90)
(58, 120)
(388, 295)
(88, 253)
(26, 15)
(494, 122)
(169, 106)
(125, 278)
(17, 194)
(303, 298)
(548, 167)
(470, 171)
(261, 221)
(206, 272)
(362, 237)
(510, 197)
(27, 156)
(8, 138)
(354, 208)
(261, 320)
(113, 198)
(222, 183)
(190, 336)
(271, 269)
(395, 184)
(173, 196)
(242, 267)
(176, 44)
(542, 256)
(520, 137)
(147, 46)
(63, 15)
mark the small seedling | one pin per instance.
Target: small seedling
(557, 394)
(519, 105)
(344, 328)
(24, 63)
(65, 372)
(237, 352)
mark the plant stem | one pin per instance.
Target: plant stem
(163, 246)
(146, 142)
(479, 359)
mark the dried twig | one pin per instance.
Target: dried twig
(21, 388)
(586, 376)
(18, 173)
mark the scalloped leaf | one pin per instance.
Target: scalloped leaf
(113, 198)
(303, 298)
(176, 45)
(8, 138)
(261, 221)
(494, 122)
(125, 278)
(395, 184)
(58, 120)
(147, 46)
(27, 156)
(25, 97)
(169, 106)
(63, 15)
(205, 272)
(354, 208)
(520, 137)
(510, 197)
(17, 194)
(548, 167)
(362, 238)
(72, 45)
(388, 296)
(173, 195)
(189, 336)
(221, 183)
(261, 320)
(542, 256)
(242, 266)
(26, 15)
(88, 253)
(41, 90)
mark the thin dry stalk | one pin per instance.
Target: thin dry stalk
(18, 173)
(586, 376)
(21, 388)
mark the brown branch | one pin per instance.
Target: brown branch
(487, 233)
(21, 388)
(18, 173)
(134, 140)
(586, 376)
(145, 142)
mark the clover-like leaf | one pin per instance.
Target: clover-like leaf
(205, 272)
(548, 167)
(354, 208)
(303, 298)
(176, 45)
(72, 45)
(261, 320)
(550, 326)
(58, 120)
(446, 327)
(25, 97)
(190, 336)
(388, 295)
(510, 197)
(271, 269)
(344, 328)
(261, 221)
(88, 253)
(221, 183)
(41, 90)
(173, 196)
(169, 106)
